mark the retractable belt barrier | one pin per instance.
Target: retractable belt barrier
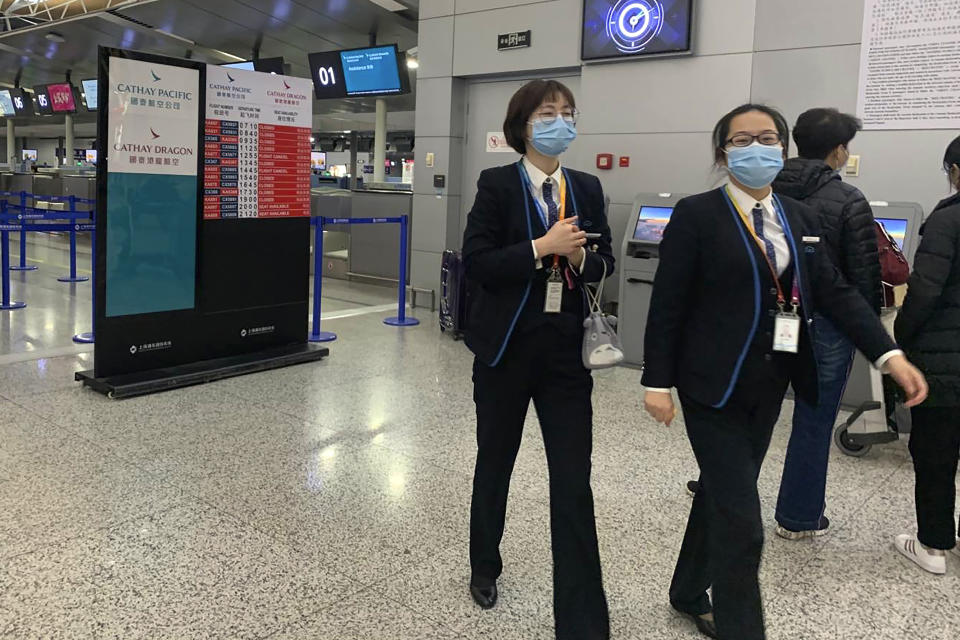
(25, 214)
(319, 222)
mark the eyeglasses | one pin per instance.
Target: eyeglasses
(549, 117)
(767, 138)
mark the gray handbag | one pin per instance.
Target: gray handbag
(601, 344)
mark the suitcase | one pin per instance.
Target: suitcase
(453, 294)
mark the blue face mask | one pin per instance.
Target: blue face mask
(554, 138)
(755, 166)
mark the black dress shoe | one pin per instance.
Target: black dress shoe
(486, 597)
(704, 626)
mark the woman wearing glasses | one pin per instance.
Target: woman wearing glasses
(741, 276)
(525, 258)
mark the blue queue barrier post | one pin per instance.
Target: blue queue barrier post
(23, 266)
(401, 319)
(316, 335)
(6, 304)
(87, 338)
(73, 277)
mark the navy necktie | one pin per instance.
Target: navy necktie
(553, 213)
(758, 229)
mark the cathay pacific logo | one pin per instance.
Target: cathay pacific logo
(286, 85)
(154, 133)
(156, 78)
(230, 77)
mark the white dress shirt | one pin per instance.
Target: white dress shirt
(774, 233)
(537, 179)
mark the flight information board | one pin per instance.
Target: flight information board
(256, 145)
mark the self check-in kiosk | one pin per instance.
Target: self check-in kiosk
(639, 258)
(872, 421)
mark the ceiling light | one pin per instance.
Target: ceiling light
(412, 63)
(389, 5)
(53, 36)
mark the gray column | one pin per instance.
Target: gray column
(380, 141)
(11, 145)
(68, 142)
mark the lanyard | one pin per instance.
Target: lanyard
(795, 292)
(561, 207)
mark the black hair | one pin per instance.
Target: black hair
(952, 156)
(819, 131)
(722, 131)
(524, 102)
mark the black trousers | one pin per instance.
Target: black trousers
(543, 365)
(935, 447)
(724, 537)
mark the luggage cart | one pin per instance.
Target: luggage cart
(879, 420)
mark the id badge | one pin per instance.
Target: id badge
(786, 332)
(554, 299)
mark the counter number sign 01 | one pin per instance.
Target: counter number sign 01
(328, 75)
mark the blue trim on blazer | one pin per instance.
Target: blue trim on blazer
(756, 303)
(526, 294)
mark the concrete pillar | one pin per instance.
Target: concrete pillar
(380, 141)
(354, 142)
(68, 143)
(11, 145)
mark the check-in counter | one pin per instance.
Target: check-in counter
(331, 202)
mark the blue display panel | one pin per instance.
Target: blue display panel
(651, 223)
(6, 104)
(627, 28)
(897, 228)
(371, 71)
(246, 66)
(90, 93)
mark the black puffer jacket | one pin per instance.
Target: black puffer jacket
(928, 326)
(846, 220)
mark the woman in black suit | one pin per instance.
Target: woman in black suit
(525, 258)
(741, 276)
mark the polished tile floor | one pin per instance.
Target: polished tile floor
(330, 501)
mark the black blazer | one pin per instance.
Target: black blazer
(706, 301)
(498, 254)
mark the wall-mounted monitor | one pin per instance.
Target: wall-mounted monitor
(318, 160)
(29, 155)
(43, 100)
(897, 228)
(6, 104)
(90, 93)
(62, 99)
(614, 29)
(651, 222)
(266, 65)
(372, 71)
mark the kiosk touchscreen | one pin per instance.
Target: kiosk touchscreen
(637, 265)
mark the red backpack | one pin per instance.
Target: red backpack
(894, 268)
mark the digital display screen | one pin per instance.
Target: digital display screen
(651, 223)
(90, 155)
(29, 154)
(246, 66)
(897, 228)
(61, 98)
(6, 104)
(627, 28)
(266, 65)
(374, 71)
(90, 93)
(318, 160)
(43, 100)
(22, 103)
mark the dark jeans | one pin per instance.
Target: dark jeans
(803, 487)
(543, 365)
(935, 447)
(724, 537)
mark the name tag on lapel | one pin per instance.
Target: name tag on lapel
(811, 239)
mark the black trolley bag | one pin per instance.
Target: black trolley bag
(453, 294)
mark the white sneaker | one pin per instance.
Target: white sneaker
(932, 560)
